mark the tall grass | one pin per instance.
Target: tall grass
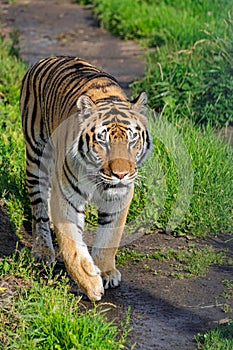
(188, 179)
(196, 82)
(179, 22)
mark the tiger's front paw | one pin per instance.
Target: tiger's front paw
(91, 281)
(111, 279)
(87, 275)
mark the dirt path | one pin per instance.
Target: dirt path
(166, 312)
(57, 27)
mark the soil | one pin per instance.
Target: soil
(166, 312)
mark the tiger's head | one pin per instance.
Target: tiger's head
(114, 139)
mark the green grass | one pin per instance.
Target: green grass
(39, 312)
(227, 294)
(220, 338)
(160, 21)
(195, 82)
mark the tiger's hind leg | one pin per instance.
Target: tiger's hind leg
(37, 179)
(42, 248)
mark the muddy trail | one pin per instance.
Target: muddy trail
(166, 312)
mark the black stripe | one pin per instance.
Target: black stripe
(126, 122)
(111, 98)
(41, 218)
(32, 159)
(66, 165)
(75, 188)
(148, 140)
(33, 183)
(36, 201)
(58, 80)
(28, 173)
(27, 80)
(32, 194)
(105, 218)
(87, 140)
(72, 95)
(68, 200)
(79, 228)
(80, 147)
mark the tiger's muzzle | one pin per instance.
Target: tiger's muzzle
(118, 171)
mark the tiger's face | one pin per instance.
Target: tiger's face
(118, 149)
(114, 141)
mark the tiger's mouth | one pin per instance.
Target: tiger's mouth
(117, 180)
(120, 185)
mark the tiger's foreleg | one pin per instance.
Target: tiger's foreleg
(68, 223)
(110, 228)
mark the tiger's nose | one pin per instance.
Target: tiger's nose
(120, 175)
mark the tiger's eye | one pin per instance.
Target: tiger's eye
(102, 135)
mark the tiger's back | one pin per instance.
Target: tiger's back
(84, 140)
(52, 86)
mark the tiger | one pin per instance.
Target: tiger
(84, 142)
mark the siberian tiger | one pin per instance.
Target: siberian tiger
(84, 142)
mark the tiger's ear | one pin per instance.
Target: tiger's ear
(85, 106)
(139, 104)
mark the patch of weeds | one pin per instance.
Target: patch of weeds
(219, 338)
(196, 261)
(227, 295)
(152, 270)
(125, 255)
(227, 308)
(20, 264)
(189, 262)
